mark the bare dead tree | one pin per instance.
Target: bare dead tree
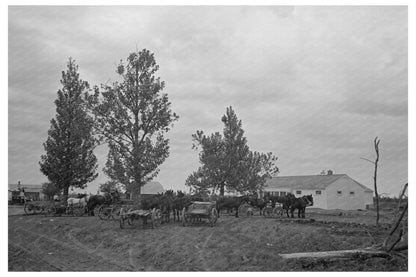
(402, 194)
(376, 143)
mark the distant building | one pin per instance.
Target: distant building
(31, 191)
(150, 188)
(331, 191)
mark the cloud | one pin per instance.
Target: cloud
(314, 85)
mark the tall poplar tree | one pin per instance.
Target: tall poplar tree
(133, 116)
(69, 160)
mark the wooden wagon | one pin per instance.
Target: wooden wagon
(276, 211)
(129, 215)
(112, 211)
(199, 210)
(34, 207)
(52, 208)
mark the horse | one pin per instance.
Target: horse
(231, 202)
(98, 200)
(181, 201)
(301, 203)
(286, 201)
(257, 202)
(81, 199)
(161, 201)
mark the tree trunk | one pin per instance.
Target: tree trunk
(136, 190)
(222, 190)
(400, 199)
(66, 192)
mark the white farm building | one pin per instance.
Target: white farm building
(332, 191)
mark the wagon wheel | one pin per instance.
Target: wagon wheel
(29, 208)
(102, 212)
(278, 211)
(97, 210)
(156, 217)
(267, 212)
(49, 211)
(122, 218)
(115, 212)
(70, 210)
(121, 221)
(78, 211)
(213, 217)
(244, 210)
(184, 219)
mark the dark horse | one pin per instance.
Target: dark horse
(231, 203)
(257, 202)
(286, 201)
(301, 203)
(161, 201)
(97, 200)
(180, 201)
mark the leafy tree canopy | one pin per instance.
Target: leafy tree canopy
(132, 116)
(227, 163)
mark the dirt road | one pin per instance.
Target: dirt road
(38, 243)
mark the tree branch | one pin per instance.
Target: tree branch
(367, 160)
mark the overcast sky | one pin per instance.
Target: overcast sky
(314, 85)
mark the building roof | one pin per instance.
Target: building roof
(27, 187)
(152, 188)
(308, 182)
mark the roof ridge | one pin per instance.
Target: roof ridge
(339, 175)
(361, 185)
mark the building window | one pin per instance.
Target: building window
(283, 193)
(318, 192)
(352, 193)
(339, 193)
(298, 192)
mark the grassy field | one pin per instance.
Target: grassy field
(38, 243)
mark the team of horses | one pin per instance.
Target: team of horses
(172, 203)
(289, 202)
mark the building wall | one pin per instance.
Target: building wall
(368, 198)
(319, 200)
(346, 200)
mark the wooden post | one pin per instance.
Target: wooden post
(334, 254)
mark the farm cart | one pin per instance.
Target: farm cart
(245, 210)
(54, 208)
(270, 211)
(112, 211)
(34, 207)
(198, 210)
(130, 215)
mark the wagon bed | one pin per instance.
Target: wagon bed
(199, 210)
(51, 208)
(129, 215)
